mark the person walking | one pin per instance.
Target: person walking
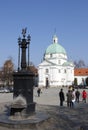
(38, 92)
(69, 98)
(62, 97)
(84, 96)
(77, 94)
(73, 97)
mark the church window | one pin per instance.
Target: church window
(59, 71)
(50, 55)
(65, 71)
(59, 62)
(47, 71)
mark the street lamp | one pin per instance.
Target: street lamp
(23, 79)
(23, 45)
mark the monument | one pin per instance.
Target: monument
(21, 113)
(23, 80)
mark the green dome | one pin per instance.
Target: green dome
(55, 47)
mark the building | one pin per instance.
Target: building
(81, 74)
(55, 69)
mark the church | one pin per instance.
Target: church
(55, 69)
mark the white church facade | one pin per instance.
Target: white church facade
(55, 69)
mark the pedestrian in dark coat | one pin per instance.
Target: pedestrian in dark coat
(38, 92)
(61, 96)
(77, 94)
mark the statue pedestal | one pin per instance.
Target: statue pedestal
(23, 91)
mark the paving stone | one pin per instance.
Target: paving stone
(61, 118)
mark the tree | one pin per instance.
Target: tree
(7, 72)
(75, 82)
(34, 70)
(79, 64)
(76, 64)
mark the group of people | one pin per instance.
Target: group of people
(72, 97)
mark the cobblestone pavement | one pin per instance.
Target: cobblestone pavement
(61, 118)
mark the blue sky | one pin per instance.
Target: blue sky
(42, 17)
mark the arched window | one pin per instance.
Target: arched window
(51, 55)
(47, 71)
(59, 61)
(59, 71)
(64, 70)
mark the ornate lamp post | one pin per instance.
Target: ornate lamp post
(23, 79)
(23, 45)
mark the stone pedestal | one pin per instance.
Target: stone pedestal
(23, 87)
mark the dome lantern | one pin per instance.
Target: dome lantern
(55, 39)
(55, 47)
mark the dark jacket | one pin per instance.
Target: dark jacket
(77, 93)
(61, 95)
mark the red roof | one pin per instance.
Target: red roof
(81, 72)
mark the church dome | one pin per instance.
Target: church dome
(55, 47)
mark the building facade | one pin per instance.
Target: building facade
(55, 69)
(81, 74)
